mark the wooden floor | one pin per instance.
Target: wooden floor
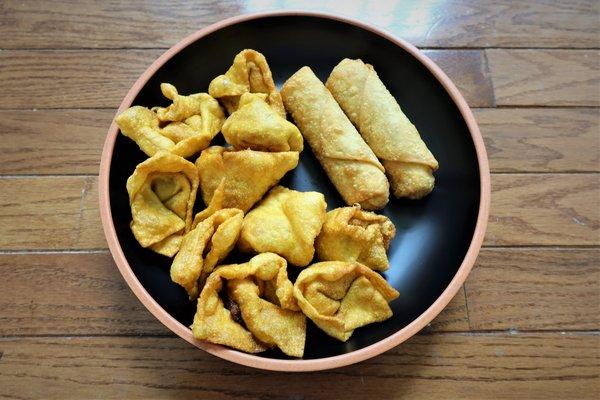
(526, 325)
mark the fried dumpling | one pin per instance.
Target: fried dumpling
(249, 73)
(184, 128)
(351, 234)
(285, 222)
(162, 191)
(342, 296)
(264, 295)
(248, 174)
(257, 126)
(209, 242)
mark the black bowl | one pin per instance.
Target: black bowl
(433, 234)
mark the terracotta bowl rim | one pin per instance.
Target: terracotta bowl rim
(321, 363)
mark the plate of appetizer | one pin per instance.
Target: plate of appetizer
(294, 191)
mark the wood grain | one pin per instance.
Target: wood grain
(535, 289)
(541, 139)
(544, 209)
(433, 23)
(465, 366)
(99, 300)
(517, 140)
(545, 77)
(69, 294)
(527, 210)
(40, 212)
(52, 141)
(101, 78)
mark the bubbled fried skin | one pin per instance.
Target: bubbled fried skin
(162, 191)
(285, 222)
(191, 123)
(247, 174)
(394, 139)
(209, 242)
(257, 126)
(342, 296)
(265, 298)
(249, 73)
(351, 234)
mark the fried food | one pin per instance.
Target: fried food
(342, 296)
(285, 222)
(394, 139)
(350, 164)
(247, 174)
(162, 191)
(264, 295)
(257, 126)
(351, 234)
(209, 242)
(249, 73)
(191, 123)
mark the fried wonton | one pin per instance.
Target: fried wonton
(209, 241)
(249, 73)
(342, 296)
(265, 298)
(257, 126)
(351, 234)
(184, 128)
(285, 222)
(247, 174)
(162, 191)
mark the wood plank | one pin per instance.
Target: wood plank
(527, 210)
(52, 141)
(426, 23)
(541, 139)
(545, 77)
(501, 366)
(40, 212)
(101, 78)
(544, 209)
(517, 140)
(93, 297)
(535, 289)
(99, 302)
(476, 84)
(70, 79)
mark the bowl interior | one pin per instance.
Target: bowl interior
(433, 234)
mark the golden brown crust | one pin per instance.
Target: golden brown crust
(351, 234)
(393, 138)
(350, 164)
(249, 73)
(340, 296)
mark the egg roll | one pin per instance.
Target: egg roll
(394, 139)
(351, 165)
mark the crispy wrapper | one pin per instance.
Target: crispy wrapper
(257, 126)
(350, 164)
(191, 123)
(162, 191)
(249, 73)
(241, 178)
(394, 139)
(351, 234)
(265, 298)
(285, 222)
(342, 296)
(209, 242)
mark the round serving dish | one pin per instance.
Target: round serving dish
(438, 237)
